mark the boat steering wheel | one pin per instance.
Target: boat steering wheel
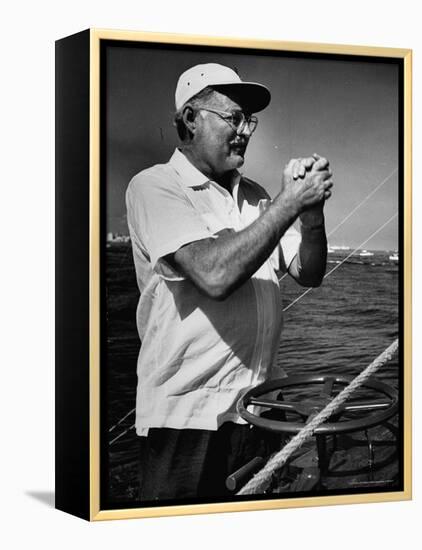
(376, 410)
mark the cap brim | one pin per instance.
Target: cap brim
(253, 97)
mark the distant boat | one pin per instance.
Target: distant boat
(394, 257)
(365, 254)
(342, 247)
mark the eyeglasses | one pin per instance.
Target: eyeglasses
(236, 119)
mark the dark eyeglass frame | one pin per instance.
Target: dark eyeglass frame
(251, 121)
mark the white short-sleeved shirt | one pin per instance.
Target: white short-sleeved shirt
(198, 354)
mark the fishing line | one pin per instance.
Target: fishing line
(121, 434)
(309, 289)
(363, 202)
(285, 309)
(121, 420)
(344, 260)
(384, 181)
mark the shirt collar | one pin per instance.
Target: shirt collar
(190, 175)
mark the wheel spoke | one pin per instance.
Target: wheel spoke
(367, 405)
(328, 387)
(273, 404)
(372, 411)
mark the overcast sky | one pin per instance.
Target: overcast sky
(344, 110)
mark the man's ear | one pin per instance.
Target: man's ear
(189, 118)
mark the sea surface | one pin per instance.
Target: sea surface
(337, 329)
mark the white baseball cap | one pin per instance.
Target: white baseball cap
(254, 97)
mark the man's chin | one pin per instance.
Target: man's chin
(238, 157)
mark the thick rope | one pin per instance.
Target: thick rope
(286, 308)
(309, 289)
(277, 461)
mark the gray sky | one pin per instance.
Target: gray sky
(344, 110)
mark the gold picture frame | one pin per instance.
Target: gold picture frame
(80, 243)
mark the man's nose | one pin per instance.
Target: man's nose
(244, 130)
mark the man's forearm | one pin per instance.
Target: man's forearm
(219, 266)
(308, 267)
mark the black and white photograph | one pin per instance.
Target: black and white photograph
(211, 251)
(251, 275)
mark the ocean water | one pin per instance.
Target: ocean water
(342, 326)
(337, 329)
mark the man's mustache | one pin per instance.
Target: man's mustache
(239, 143)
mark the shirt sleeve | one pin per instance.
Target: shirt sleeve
(287, 248)
(162, 219)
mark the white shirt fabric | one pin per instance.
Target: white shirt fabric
(197, 354)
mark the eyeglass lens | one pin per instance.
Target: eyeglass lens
(239, 119)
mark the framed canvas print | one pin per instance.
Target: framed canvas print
(233, 274)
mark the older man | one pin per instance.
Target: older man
(207, 243)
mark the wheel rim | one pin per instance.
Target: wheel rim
(378, 410)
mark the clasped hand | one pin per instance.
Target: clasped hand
(307, 182)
